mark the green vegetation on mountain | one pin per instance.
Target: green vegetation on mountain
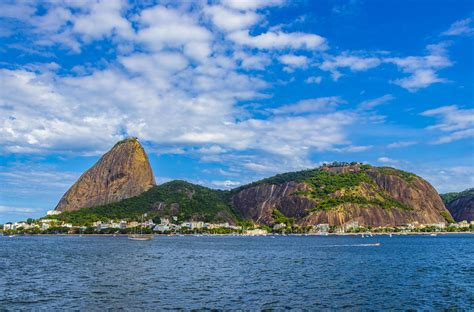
(450, 197)
(406, 176)
(176, 198)
(332, 189)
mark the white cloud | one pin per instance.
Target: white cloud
(387, 160)
(251, 4)
(369, 104)
(16, 210)
(103, 18)
(448, 178)
(310, 105)
(226, 183)
(401, 144)
(252, 61)
(231, 20)
(461, 27)
(422, 69)
(293, 61)
(457, 123)
(346, 60)
(162, 27)
(279, 40)
(314, 79)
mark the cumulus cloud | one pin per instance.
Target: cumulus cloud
(457, 123)
(346, 60)
(231, 20)
(293, 61)
(279, 40)
(422, 69)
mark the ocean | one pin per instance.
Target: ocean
(350, 273)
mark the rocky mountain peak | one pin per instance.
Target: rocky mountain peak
(121, 173)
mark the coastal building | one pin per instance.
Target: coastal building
(351, 226)
(162, 228)
(132, 224)
(322, 228)
(211, 226)
(440, 225)
(255, 232)
(197, 225)
(53, 212)
(8, 226)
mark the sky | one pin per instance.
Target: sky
(222, 93)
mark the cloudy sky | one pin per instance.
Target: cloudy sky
(225, 92)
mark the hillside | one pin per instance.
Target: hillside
(340, 193)
(461, 205)
(176, 198)
(335, 194)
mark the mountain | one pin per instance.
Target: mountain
(342, 193)
(121, 173)
(184, 200)
(461, 205)
(334, 194)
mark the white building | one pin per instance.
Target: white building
(53, 212)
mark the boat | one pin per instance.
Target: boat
(140, 236)
(433, 234)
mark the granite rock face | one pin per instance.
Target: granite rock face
(121, 173)
(462, 208)
(420, 200)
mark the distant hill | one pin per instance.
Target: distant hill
(340, 193)
(334, 194)
(461, 205)
(185, 200)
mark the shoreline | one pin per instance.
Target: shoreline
(246, 235)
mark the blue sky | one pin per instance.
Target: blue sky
(226, 92)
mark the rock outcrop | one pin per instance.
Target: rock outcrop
(462, 208)
(121, 173)
(385, 197)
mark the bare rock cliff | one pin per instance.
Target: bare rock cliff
(417, 201)
(462, 208)
(121, 173)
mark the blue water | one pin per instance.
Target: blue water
(251, 273)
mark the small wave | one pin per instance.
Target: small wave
(354, 245)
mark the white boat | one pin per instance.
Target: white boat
(140, 236)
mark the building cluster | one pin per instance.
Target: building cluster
(168, 225)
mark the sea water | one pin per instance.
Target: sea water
(250, 273)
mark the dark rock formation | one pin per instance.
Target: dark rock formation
(462, 208)
(121, 173)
